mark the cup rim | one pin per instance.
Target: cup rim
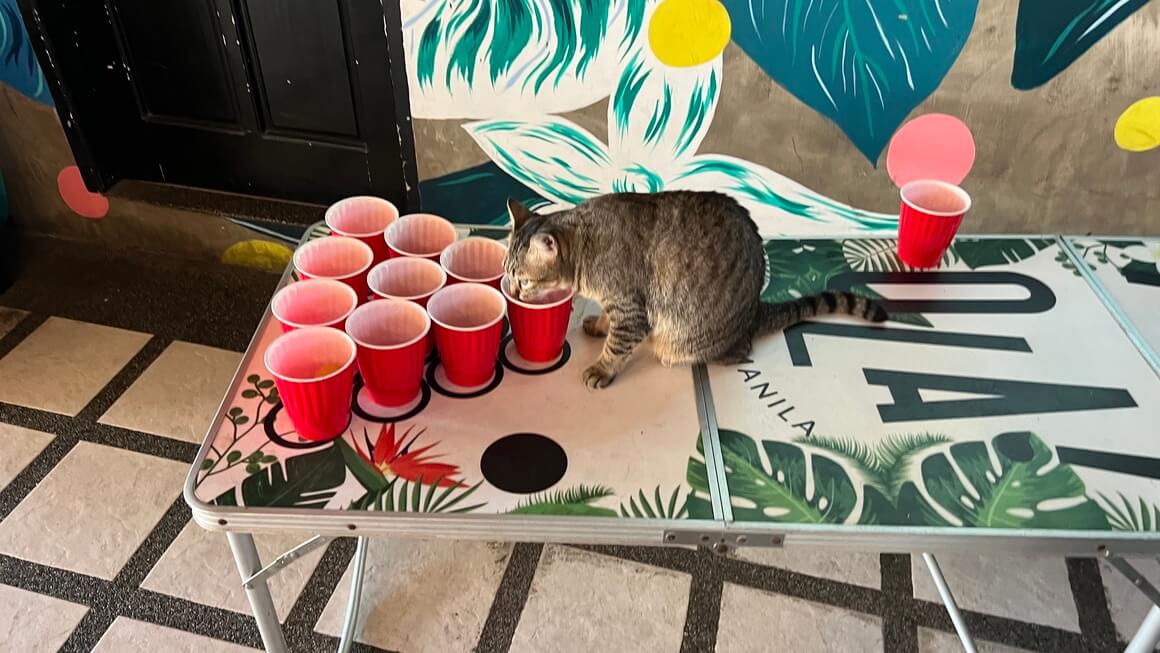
(408, 259)
(365, 248)
(963, 195)
(504, 287)
(452, 288)
(401, 218)
(332, 211)
(443, 265)
(391, 302)
(315, 281)
(302, 333)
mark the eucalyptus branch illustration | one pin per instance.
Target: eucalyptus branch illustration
(267, 395)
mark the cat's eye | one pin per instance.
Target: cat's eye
(525, 283)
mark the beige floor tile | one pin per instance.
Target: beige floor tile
(854, 568)
(581, 602)
(1128, 605)
(753, 621)
(18, 446)
(34, 623)
(199, 566)
(179, 393)
(936, 641)
(92, 510)
(1027, 588)
(9, 317)
(422, 595)
(62, 365)
(129, 636)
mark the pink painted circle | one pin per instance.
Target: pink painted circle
(932, 146)
(78, 198)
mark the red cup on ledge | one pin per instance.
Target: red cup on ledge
(931, 213)
(313, 369)
(412, 279)
(339, 258)
(422, 235)
(365, 218)
(474, 260)
(468, 322)
(539, 328)
(391, 335)
(314, 302)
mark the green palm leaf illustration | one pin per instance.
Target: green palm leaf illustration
(642, 507)
(573, 501)
(1125, 515)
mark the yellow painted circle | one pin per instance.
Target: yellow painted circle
(261, 254)
(1138, 128)
(685, 33)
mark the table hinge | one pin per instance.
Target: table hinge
(724, 543)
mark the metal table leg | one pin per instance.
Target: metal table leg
(350, 621)
(948, 600)
(262, 605)
(1148, 636)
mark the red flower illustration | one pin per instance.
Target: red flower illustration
(393, 458)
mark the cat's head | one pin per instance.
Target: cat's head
(536, 257)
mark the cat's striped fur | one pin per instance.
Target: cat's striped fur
(682, 268)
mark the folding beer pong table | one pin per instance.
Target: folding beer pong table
(1012, 403)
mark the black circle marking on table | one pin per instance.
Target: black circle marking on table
(523, 463)
(272, 432)
(507, 362)
(434, 383)
(424, 399)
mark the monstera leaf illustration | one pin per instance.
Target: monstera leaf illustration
(1013, 481)
(306, 481)
(865, 65)
(982, 253)
(1050, 35)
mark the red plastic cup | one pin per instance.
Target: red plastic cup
(474, 260)
(931, 213)
(412, 279)
(540, 328)
(468, 323)
(365, 218)
(314, 371)
(422, 235)
(391, 335)
(338, 257)
(315, 302)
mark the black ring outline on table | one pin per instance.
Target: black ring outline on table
(272, 433)
(424, 399)
(495, 381)
(503, 358)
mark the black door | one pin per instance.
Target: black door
(290, 99)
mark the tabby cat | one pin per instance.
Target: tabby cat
(684, 268)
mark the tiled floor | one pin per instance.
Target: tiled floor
(97, 552)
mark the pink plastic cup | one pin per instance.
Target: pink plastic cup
(338, 257)
(365, 218)
(314, 371)
(468, 323)
(540, 328)
(412, 279)
(930, 215)
(315, 302)
(474, 260)
(420, 234)
(391, 335)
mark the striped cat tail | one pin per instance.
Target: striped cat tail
(775, 317)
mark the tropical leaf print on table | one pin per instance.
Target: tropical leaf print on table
(401, 496)
(984, 252)
(576, 501)
(864, 65)
(1051, 34)
(1125, 515)
(306, 481)
(656, 507)
(881, 255)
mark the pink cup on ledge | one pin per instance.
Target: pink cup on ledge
(474, 260)
(314, 302)
(468, 323)
(539, 329)
(391, 335)
(339, 258)
(422, 235)
(931, 213)
(412, 279)
(365, 218)
(313, 369)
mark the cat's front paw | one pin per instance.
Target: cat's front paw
(594, 327)
(598, 377)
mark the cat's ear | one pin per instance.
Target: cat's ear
(546, 245)
(520, 213)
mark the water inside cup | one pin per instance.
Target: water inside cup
(313, 302)
(388, 323)
(309, 354)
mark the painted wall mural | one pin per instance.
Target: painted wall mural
(18, 66)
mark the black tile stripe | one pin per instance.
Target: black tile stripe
(1091, 602)
(510, 599)
(20, 331)
(703, 612)
(124, 378)
(899, 629)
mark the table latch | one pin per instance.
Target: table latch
(724, 543)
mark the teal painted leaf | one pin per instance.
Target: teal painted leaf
(1051, 34)
(18, 65)
(981, 253)
(865, 65)
(574, 501)
(476, 195)
(306, 481)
